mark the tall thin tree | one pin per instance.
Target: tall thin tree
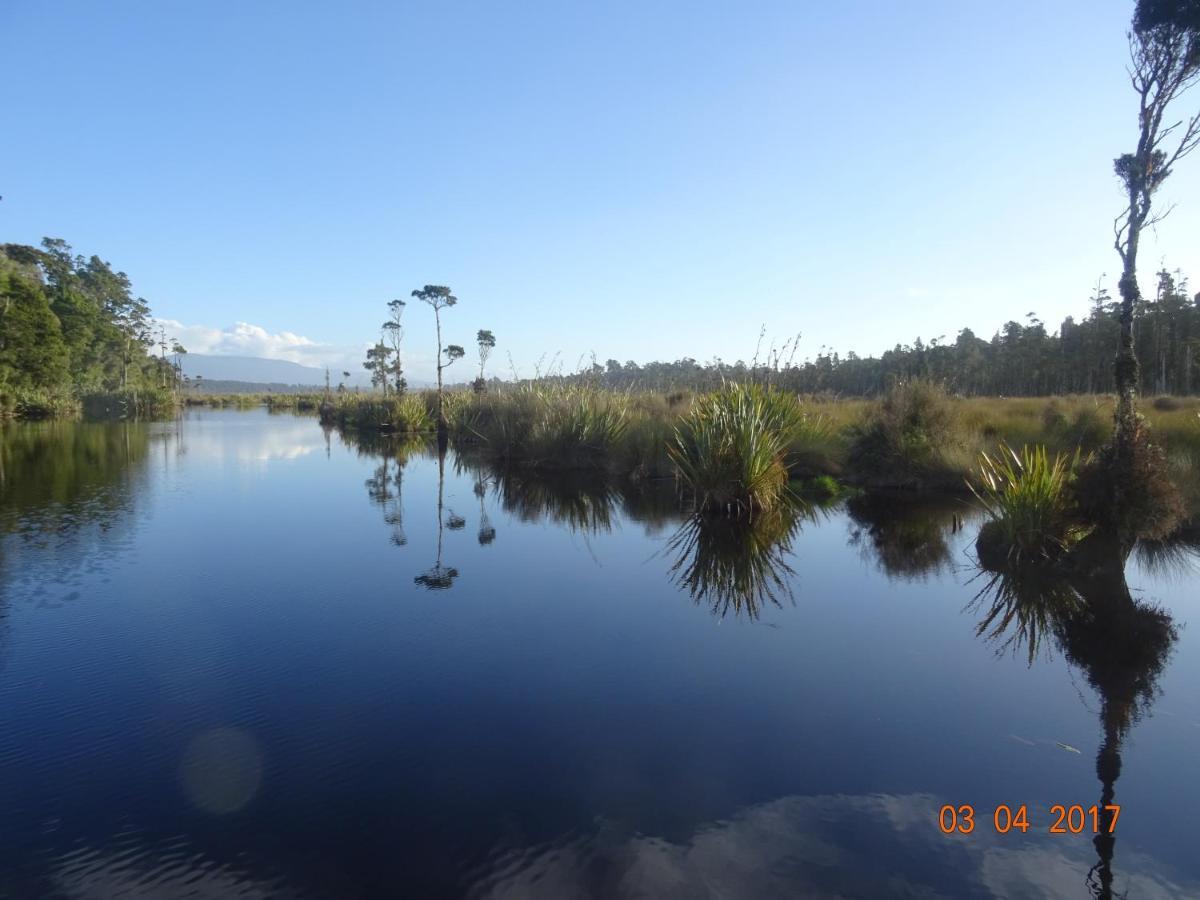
(395, 334)
(438, 297)
(487, 343)
(1164, 49)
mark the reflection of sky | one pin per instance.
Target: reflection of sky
(824, 846)
(563, 687)
(828, 846)
(168, 872)
(222, 435)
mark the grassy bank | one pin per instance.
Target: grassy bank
(280, 402)
(130, 404)
(914, 438)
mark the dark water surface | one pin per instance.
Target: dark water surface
(240, 658)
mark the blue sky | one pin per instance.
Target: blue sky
(639, 180)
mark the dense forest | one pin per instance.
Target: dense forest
(1019, 359)
(71, 330)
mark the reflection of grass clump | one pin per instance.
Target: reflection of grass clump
(736, 563)
(909, 539)
(1021, 606)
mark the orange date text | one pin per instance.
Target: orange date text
(1075, 819)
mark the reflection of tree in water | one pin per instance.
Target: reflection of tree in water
(487, 533)
(737, 563)
(52, 470)
(384, 488)
(327, 431)
(441, 577)
(67, 497)
(1121, 645)
(908, 538)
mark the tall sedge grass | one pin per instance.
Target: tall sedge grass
(730, 447)
(1029, 498)
(724, 447)
(567, 426)
(406, 414)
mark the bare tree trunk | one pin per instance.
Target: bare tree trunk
(1125, 366)
(443, 429)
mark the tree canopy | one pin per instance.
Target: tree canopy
(71, 325)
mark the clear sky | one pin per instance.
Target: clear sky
(642, 180)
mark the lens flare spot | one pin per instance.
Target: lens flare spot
(221, 770)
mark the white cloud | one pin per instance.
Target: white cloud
(245, 339)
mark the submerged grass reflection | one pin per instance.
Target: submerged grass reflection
(908, 538)
(1019, 609)
(739, 564)
(582, 502)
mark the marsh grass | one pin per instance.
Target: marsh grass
(913, 438)
(1029, 498)
(567, 426)
(730, 448)
(130, 404)
(408, 414)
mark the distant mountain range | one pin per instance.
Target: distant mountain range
(220, 386)
(257, 375)
(251, 369)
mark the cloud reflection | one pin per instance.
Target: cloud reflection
(823, 846)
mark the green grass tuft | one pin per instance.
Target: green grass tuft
(1030, 500)
(730, 447)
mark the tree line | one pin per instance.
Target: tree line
(71, 326)
(1020, 359)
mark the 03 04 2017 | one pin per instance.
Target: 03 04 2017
(1073, 819)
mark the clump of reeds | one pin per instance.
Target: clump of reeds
(405, 414)
(730, 447)
(912, 438)
(1030, 500)
(564, 426)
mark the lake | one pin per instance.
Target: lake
(241, 656)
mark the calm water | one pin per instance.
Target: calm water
(240, 658)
